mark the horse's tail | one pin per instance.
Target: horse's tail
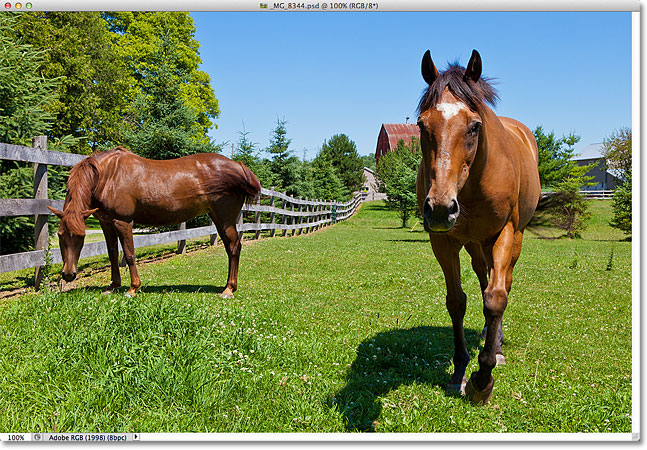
(249, 184)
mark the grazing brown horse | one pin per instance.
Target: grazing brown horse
(121, 188)
(477, 187)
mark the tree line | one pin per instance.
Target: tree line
(567, 209)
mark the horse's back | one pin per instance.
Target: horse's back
(526, 136)
(163, 192)
(529, 184)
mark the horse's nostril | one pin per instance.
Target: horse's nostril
(453, 207)
(427, 210)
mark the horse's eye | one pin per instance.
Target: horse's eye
(474, 129)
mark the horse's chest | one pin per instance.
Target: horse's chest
(480, 222)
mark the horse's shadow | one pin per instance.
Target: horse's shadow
(391, 359)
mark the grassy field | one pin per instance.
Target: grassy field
(341, 330)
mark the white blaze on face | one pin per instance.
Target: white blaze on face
(449, 110)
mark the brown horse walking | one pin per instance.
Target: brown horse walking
(121, 188)
(477, 187)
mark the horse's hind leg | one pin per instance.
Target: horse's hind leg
(110, 234)
(446, 249)
(224, 215)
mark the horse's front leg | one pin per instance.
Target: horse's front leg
(110, 234)
(446, 249)
(495, 299)
(125, 233)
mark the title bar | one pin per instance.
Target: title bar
(318, 6)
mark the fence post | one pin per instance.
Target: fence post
(301, 209)
(41, 230)
(213, 238)
(285, 219)
(272, 231)
(181, 244)
(294, 220)
(257, 219)
(318, 214)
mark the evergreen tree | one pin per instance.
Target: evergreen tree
(284, 166)
(342, 153)
(327, 185)
(555, 156)
(25, 97)
(569, 210)
(622, 206)
(161, 125)
(136, 36)
(245, 150)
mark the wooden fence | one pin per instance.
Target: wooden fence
(274, 211)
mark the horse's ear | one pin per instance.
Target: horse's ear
(89, 212)
(473, 71)
(429, 71)
(57, 212)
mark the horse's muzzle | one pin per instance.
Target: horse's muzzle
(440, 218)
(69, 276)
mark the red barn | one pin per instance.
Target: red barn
(391, 133)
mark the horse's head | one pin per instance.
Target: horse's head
(71, 235)
(450, 127)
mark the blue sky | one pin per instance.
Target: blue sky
(331, 73)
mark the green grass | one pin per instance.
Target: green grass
(340, 330)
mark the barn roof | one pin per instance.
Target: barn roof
(397, 131)
(591, 151)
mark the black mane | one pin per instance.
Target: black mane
(471, 93)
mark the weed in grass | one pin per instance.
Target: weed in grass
(610, 261)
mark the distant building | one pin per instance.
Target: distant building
(602, 178)
(391, 133)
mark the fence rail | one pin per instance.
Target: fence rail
(294, 215)
(591, 194)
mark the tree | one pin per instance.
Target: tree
(284, 166)
(555, 156)
(342, 153)
(77, 48)
(569, 210)
(136, 37)
(397, 171)
(622, 206)
(616, 150)
(161, 125)
(25, 97)
(369, 161)
(245, 150)
(327, 185)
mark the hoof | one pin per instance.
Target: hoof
(500, 360)
(227, 294)
(458, 387)
(477, 396)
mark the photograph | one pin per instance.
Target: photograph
(323, 221)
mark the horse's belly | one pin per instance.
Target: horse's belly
(168, 213)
